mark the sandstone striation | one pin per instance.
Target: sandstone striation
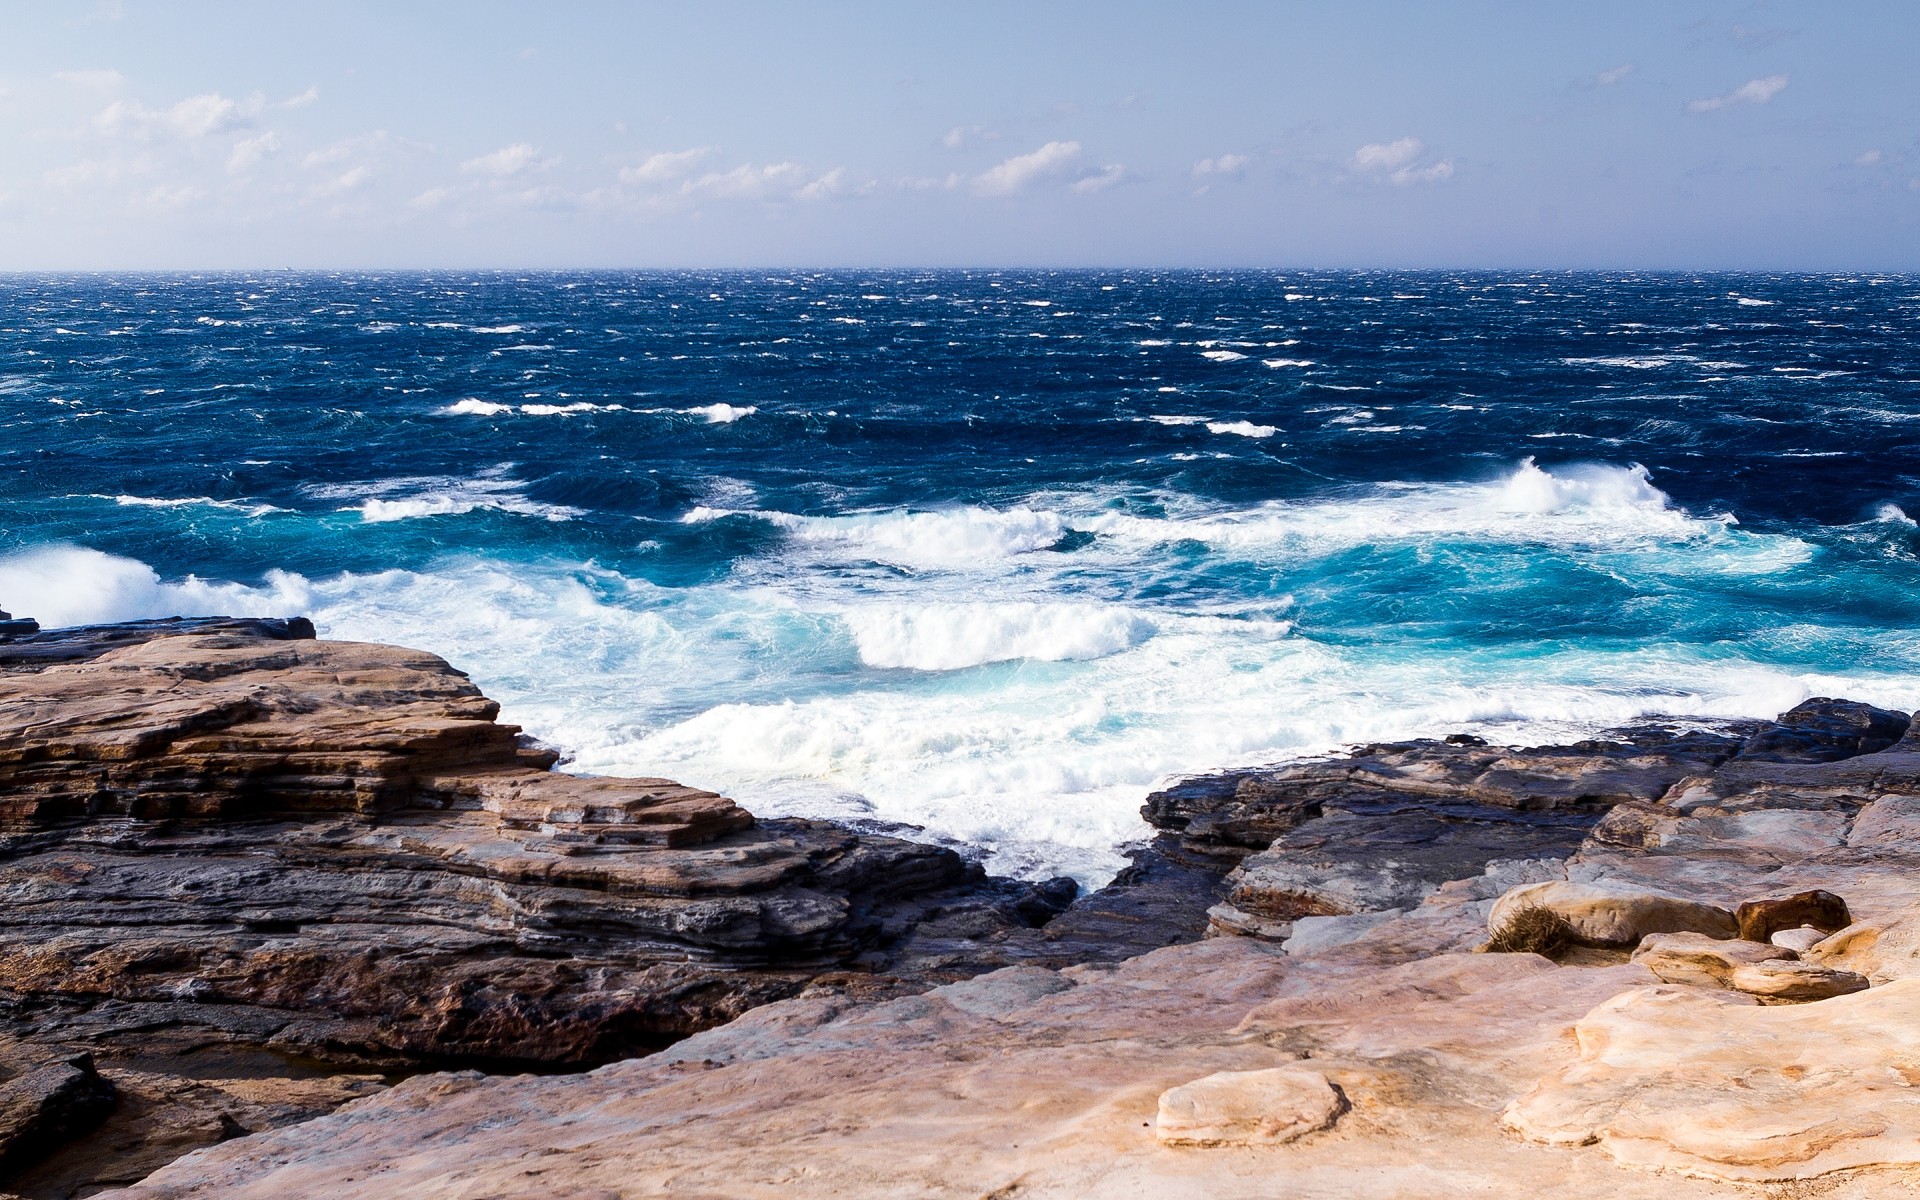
(229, 850)
(1202, 1069)
(266, 881)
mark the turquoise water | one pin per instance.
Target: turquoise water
(995, 552)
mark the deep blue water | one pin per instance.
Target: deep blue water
(993, 552)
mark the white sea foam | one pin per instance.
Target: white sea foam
(1636, 362)
(60, 585)
(1042, 760)
(722, 413)
(413, 497)
(946, 637)
(476, 408)
(1176, 419)
(502, 329)
(251, 508)
(1278, 363)
(1242, 428)
(1222, 356)
(948, 537)
(1750, 302)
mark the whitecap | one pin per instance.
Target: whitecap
(252, 509)
(946, 538)
(1242, 428)
(414, 497)
(722, 413)
(1636, 362)
(1278, 363)
(949, 637)
(1222, 356)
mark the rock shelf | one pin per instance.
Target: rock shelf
(1731, 1010)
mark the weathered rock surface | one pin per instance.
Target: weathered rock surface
(1384, 827)
(1042, 1082)
(1247, 1108)
(220, 836)
(1760, 919)
(1610, 915)
(244, 868)
(1694, 1081)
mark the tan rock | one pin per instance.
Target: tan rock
(1785, 980)
(1799, 940)
(1614, 915)
(1248, 1108)
(1820, 909)
(1710, 1083)
(1702, 961)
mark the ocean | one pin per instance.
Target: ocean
(992, 553)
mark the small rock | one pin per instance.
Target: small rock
(1608, 915)
(1248, 1108)
(1761, 919)
(1694, 958)
(1799, 940)
(1791, 981)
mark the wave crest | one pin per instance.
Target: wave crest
(950, 637)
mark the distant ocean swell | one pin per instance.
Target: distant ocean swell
(913, 568)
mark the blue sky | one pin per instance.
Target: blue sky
(408, 134)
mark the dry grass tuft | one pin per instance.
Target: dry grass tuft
(1532, 930)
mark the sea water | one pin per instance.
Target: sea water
(994, 552)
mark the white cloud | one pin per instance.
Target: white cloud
(344, 182)
(967, 135)
(302, 100)
(1400, 162)
(1753, 91)
(774, 181)
(1613, 75)
(1108, 176)
(1431, 173)
(822, 187)
(1226, 164)
(1869, 158)
(1385, 156)
(668, 165)
(194, 117)
(1016, 174)
(506, 161)
(248, 151)
(99, 80)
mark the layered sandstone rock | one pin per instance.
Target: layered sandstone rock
(1457, 1073)
(231, 850)
(223, 836)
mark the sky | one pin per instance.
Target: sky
(1345, 133)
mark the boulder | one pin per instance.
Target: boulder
(1799, 940)
(1602, 914)
(1790, 981)
(1761, 919)
(1248, 1108)
(1711, 1083)
(1825, 730)
(47, 1103)
(1695, 958)
(1772, 973)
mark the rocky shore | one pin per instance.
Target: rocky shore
(252, 878)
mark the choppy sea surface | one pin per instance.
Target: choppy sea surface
(992, 553)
